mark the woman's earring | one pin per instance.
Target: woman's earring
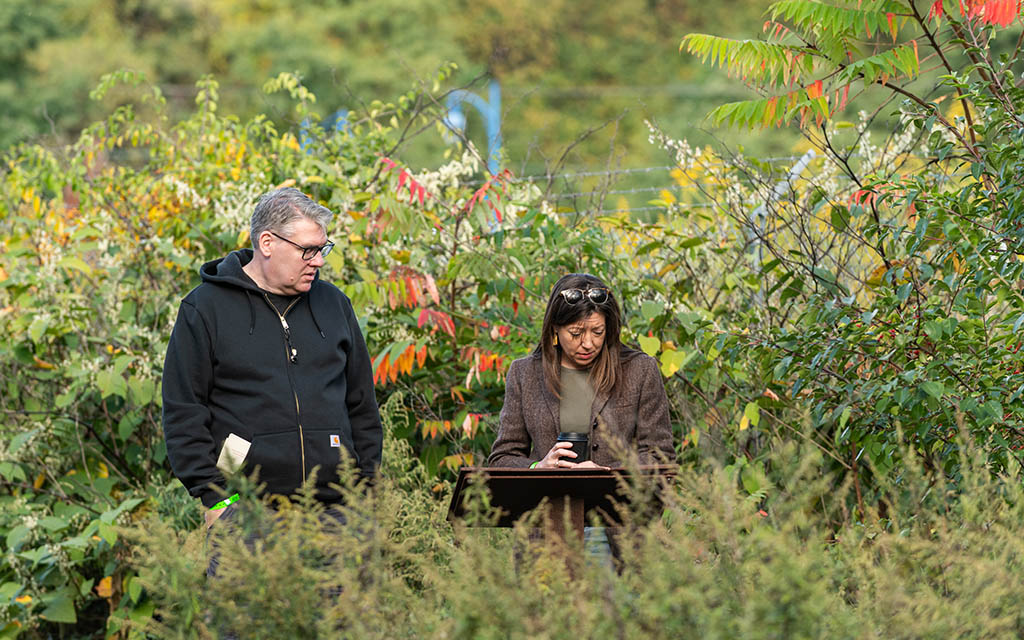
(555, 341)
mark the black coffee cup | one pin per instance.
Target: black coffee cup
(579, 445)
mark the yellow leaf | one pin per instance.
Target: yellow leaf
(25, 599)
(43, 364)
(744, 423)
(40, 479)
(105, 588)
(667, 196)
(875, 278)
(102, 470)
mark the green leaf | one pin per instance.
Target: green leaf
(1020, 321)
(933, 388)
(142, 613)
(934, 330)
(111, 384)
(121, 363)
(753, 413)
(53, 523)
(751, 480)
(673, 360)
(143, 390)
(38, 327)
(651, 309)
(74, 262)
(134, 588)
(16, 536)
(844, 418)
(107, 532)
(840, 218)
(8, 590)
(18, 441)
(649, 345)
(60, 609)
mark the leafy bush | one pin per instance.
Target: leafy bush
(884, 275)
(715, 564)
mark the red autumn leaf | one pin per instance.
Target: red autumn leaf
(432, 288)
(438, 320)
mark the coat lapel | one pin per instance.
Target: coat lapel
(550, 401)
(600, 400)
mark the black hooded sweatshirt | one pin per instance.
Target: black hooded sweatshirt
(297, 385)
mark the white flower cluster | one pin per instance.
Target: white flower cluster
(185, 193)
(451, 175)
(233, 210)
(685, 155)
(880, 159)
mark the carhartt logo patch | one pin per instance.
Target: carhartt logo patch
(335, 440)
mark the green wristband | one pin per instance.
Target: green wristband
(225, 502)
(534, 464)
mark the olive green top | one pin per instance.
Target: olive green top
(577, 398)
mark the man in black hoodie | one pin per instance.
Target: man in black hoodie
(267, 369)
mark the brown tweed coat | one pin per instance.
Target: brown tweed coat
(633, 417)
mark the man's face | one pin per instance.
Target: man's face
(287, 273)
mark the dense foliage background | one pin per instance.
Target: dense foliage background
(839, 333)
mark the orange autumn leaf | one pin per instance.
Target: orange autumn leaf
(105, 588)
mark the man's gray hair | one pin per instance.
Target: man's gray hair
(277, 210)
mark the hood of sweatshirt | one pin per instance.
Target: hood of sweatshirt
(228, 270)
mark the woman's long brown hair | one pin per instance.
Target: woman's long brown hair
(607, 365)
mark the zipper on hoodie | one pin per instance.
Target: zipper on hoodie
(292, 356)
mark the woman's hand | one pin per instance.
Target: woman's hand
(560, 456)
(589, 464)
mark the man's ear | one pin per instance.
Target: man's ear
(264, 243)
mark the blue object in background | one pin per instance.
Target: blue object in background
(337, 120)
(490, 109)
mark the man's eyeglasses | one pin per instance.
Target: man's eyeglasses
(575, 296)
(308, 253)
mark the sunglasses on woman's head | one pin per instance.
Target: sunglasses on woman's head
(575, 296)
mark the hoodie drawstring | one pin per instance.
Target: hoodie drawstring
(252, 312)
(313, 315)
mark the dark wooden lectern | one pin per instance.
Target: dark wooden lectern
(570, 492)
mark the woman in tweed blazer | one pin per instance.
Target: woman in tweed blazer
(629, 413)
